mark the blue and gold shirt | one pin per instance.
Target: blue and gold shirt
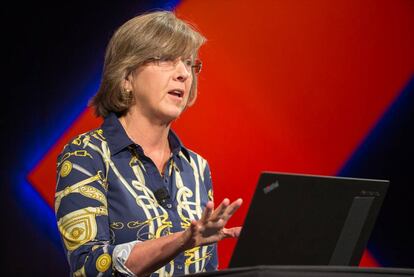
(105, 201)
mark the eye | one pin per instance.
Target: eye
(188, 63)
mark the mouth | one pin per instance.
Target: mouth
(177, 93)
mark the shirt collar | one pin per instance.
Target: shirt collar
(115, 134)
(118, 139)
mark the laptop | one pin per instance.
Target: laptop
(297, 219)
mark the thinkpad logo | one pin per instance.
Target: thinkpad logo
(271, 187)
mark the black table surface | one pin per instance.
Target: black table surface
(304, 271)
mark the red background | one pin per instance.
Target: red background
(286, 86)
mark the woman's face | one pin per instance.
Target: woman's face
(161, 88)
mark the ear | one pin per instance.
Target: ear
(127, 83)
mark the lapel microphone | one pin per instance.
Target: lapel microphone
(163, 198)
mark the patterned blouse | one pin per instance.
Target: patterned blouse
(106, 202)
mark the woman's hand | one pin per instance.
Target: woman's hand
(146, 257)
(210, 228)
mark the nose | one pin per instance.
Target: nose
(181, 72)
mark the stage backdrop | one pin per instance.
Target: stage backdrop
(315, 87)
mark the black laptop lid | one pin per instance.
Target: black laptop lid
(308, 220)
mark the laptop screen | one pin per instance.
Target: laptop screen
(296, 219)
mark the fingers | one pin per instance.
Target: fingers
(207, 212)
(218, 213)
(211, 226)
(232, 208)
(232, 232)
(225, 210)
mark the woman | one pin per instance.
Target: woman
(130, 198)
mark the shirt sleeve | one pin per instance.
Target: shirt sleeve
(120, 256)
(82, 211)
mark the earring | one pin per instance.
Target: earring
(127, 95)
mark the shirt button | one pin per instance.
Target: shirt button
(179, 266)
(169, 206)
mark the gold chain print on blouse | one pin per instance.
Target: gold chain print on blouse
(79, 227)
(89, 173)
(190, 210)
(151, 208)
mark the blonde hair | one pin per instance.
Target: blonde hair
(155, 34)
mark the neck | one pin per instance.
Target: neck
(150, 135)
